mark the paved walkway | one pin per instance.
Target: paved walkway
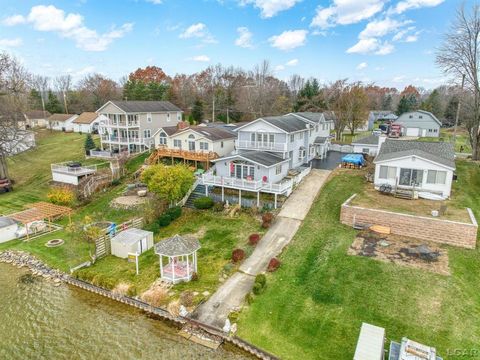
(231, 294)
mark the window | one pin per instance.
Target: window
(203, 145)
(179, 116)
(301, 153)
(421, 116)
(436, 177)
(177, 143)
(252, 137)
(221, 144)
(149, 117)
(292, 138)
(168, 117)
(411, 116)
(387, 172)
(410, 177)
(147, 133)
(163, 139)
(365, 151)
(278, 169)
(300, 135)
(191, 136)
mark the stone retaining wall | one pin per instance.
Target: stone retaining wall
(431, 229)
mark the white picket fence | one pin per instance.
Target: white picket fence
(341, 148)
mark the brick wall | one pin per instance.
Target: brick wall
(424, 228)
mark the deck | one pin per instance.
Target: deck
(165, 152)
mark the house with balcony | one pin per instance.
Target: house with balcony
(129, 126)
(272, 153)
(192, 143)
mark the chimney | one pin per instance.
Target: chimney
(381, 140)
(182, 125)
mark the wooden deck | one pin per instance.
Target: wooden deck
(197, 156)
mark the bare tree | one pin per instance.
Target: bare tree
(41, 84)
(459, 56)
(63, 83)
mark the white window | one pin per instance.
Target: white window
(177, 143)
(436, 177)
(168, 117)
(278, 169)
(203, 145)
(147, 133)
(149, 117)
(292, 138)
(163, 139)
(301, 154)
(387, 172)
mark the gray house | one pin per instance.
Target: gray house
(130, 125)
(419, 123)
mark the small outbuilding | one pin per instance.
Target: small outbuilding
(131, 241)
(8, 229)
(369, 145)
(181, 252)
(370, 345)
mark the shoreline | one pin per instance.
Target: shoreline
(204, 333)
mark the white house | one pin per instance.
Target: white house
(423, 166)
(36, 118)
(61, 122)
(419, 123)
(71, 172)
(131, 241)
(8, 229)
(368, 145)
(87, 122)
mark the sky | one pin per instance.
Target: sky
(391, 43)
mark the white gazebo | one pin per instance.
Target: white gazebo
(181, 252)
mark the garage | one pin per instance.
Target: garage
(413, 131)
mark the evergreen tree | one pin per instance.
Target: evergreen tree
(89, 144)
(403, 106)
(197, 111)
(433, 104)
(53, 105)
(387, 102)
(35, 100)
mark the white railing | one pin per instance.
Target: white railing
(208, 179)
(278, 188)
(73, 170)
(187, 195)
(260, 145)
(100, 153)
(298, 179)
(124, 140)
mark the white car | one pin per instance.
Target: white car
(377, 132)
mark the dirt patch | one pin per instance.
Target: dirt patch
(402, 251)
(128, 202)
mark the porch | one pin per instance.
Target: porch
(261, 145)
(196, 156)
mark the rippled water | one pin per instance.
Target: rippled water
(41, 321)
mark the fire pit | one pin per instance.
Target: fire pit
(54, 243)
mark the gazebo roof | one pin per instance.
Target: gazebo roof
(177, 245)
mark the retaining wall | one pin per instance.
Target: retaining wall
(431, 229)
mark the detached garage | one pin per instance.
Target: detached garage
(412, 131)
(419, 123)
(131, 241)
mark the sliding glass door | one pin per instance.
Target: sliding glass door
(410, 177)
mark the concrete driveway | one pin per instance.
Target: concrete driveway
(231, 294)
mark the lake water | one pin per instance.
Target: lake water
(41, 321)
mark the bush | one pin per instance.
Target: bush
(116, 182)
(174, 212)
(156, 297)
(218, 207)
(164, 220)
(249, 299)
(238, 255)
(186, 298)
(257, 289)
(273, 265)
(61, 196)
(253, 239)
(194, 276)
(260, 284)
(267, 220)
(203, 203)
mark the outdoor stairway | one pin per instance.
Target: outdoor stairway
(197, 193)
(404, 194)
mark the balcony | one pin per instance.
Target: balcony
(71, 168)
(260, 145)
(163, 151)
(122, 140)
(247, 185)
(120, 123)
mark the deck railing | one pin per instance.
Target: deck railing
(209, 179)
(196, 155)
(64, 168)
(260, 145)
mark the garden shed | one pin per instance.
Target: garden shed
(8, 229)
(131, 241)
(181, 252)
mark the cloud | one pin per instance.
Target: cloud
(371, 46)
(199, 31)
(9, 43)
(289, 40)
(279, 68)
(155, 2)
(270, 8)
(406, 35)
(403, 6)
(201, 58)
(344, 12)
(362, 66)
(293, 62)
(70, 26)
(379, 28)
(14, 20)
(244, 38)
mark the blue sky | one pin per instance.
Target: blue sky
(391, 43)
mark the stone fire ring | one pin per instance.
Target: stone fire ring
(54, 243)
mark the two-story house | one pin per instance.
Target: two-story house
(271, 151)
(419, 123)
(130, 125)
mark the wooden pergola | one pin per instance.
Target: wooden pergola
(41, 211)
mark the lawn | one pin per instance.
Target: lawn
(315, 303)
(462, 144)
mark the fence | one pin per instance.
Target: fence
(341, 148)
(103, 245)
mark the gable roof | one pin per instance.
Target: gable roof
(367, 140)
(169, 130)
(85, 118)
(131, 236)
(315, 117)
(422, 112)
(439, 152)
(329, 116)
(61, 117)
(37, 114)
(263, 158)
(144, 106)
(288, 123)
(210, 133)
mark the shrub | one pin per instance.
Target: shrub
(253, 239)
(273, 265)
(238, 255)
(267, 220)
(203, 203)
(249, 298)
(261, 279)
(156, 297)
(194, 276)
(116, 182)
(257, 289)
(174, 212)
(121, 289)
(218, 207)
(164, 220)
(61, 196)
(186, 298)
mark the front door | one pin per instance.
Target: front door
(410, 177)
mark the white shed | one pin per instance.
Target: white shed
(370, 344)
(131, 241)
(8, 229)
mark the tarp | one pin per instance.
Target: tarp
(356, 159)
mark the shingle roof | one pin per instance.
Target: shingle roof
(312, 116)
(329, 115)
(368, 140)
(37, 114)
(85, 118)
(288, 123)
(145, 106)
(177, 245)
(320, 140)
(439, 152)
(213, 133)
(170, 130)
(131, 236)
(60, 117)
(5, 221)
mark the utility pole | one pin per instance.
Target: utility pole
(65, 102)
(458, 113)
(213, 109)
(228, 117)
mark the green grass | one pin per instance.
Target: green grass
(315, 303)
(462, 142)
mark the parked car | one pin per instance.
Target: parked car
(384, 128)
(377, 132)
